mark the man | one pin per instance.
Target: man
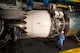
(61, 39)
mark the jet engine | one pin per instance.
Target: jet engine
(41, 23)
(36, 23)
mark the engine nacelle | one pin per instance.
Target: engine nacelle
(38, 23)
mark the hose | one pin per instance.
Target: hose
(1, 26)
(77, 38)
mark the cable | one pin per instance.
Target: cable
(4, 41)
(3, 45)
(77, 38)
(7, 48)
(20, 50)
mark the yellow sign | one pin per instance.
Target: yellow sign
(75, 50)
(75, 0)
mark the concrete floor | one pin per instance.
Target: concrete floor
(39, 46)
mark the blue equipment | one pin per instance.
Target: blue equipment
(29, 4)
(46, 3)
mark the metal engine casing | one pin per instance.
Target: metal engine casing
(38, 23)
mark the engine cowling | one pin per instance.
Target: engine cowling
(38, 23)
